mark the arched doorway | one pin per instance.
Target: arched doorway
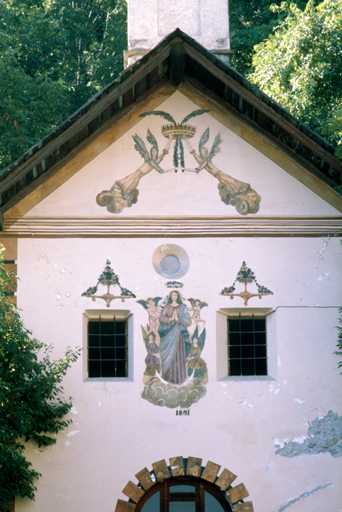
(184, 486)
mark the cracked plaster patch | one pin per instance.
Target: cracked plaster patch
(246, 403)
(73, 433)
(270, 465)
(308, 494)
(324, 436)
(320, 252)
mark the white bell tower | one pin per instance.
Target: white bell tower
(149, 21)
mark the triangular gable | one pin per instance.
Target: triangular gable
(185, 190)
(180, 63)
(120, 193)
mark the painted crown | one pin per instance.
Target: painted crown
(178, 130)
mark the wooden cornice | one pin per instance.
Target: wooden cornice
(159, 227)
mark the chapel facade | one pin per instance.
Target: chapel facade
(184, 230)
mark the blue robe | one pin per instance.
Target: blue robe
(173, 339)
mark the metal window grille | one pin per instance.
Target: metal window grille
(107, 348)
(247, 347)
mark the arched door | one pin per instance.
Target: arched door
(184, 494)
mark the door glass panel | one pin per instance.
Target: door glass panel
(175, 502)
(211, 503)
(153, 504)
(182, 506)
(182, 488)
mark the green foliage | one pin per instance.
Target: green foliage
(333, 129)
(251, 22)
(91, 37)
(339, 340)
(54, 56)
(31, 406)
(32, 101)
(299, 65)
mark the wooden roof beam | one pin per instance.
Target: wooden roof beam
(177, 64)
(262, 107)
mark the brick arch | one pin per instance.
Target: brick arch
(185, 467)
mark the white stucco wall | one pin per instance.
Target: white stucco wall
(116, 433)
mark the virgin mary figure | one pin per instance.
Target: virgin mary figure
(174, 337)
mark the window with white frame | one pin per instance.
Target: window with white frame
(108, 347)
(246, 344)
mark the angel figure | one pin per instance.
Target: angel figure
(194, 361)
(154, 311)
(152, 360)
(197, 305)
(124, 193)
(232, 191)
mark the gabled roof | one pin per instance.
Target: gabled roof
(178, 61)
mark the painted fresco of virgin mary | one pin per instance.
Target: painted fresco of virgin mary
(174, 338)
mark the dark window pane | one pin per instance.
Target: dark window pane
(121, 340)
(259, 324)
(94, 353)
(121, 369)
(260, 338)
(234, 325)
(247, 352)
(247, 367)
(94, 368)
(94, 340)
(107, 327)
(108, 353)
(234, 338)
(261, 367)
(108, 369)
(260, 352)
(121, 353)
(120, 328)
(93, 327)
(235, 367)
(234, 352)
(247, 338)
(107, 341)
(246, 325)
